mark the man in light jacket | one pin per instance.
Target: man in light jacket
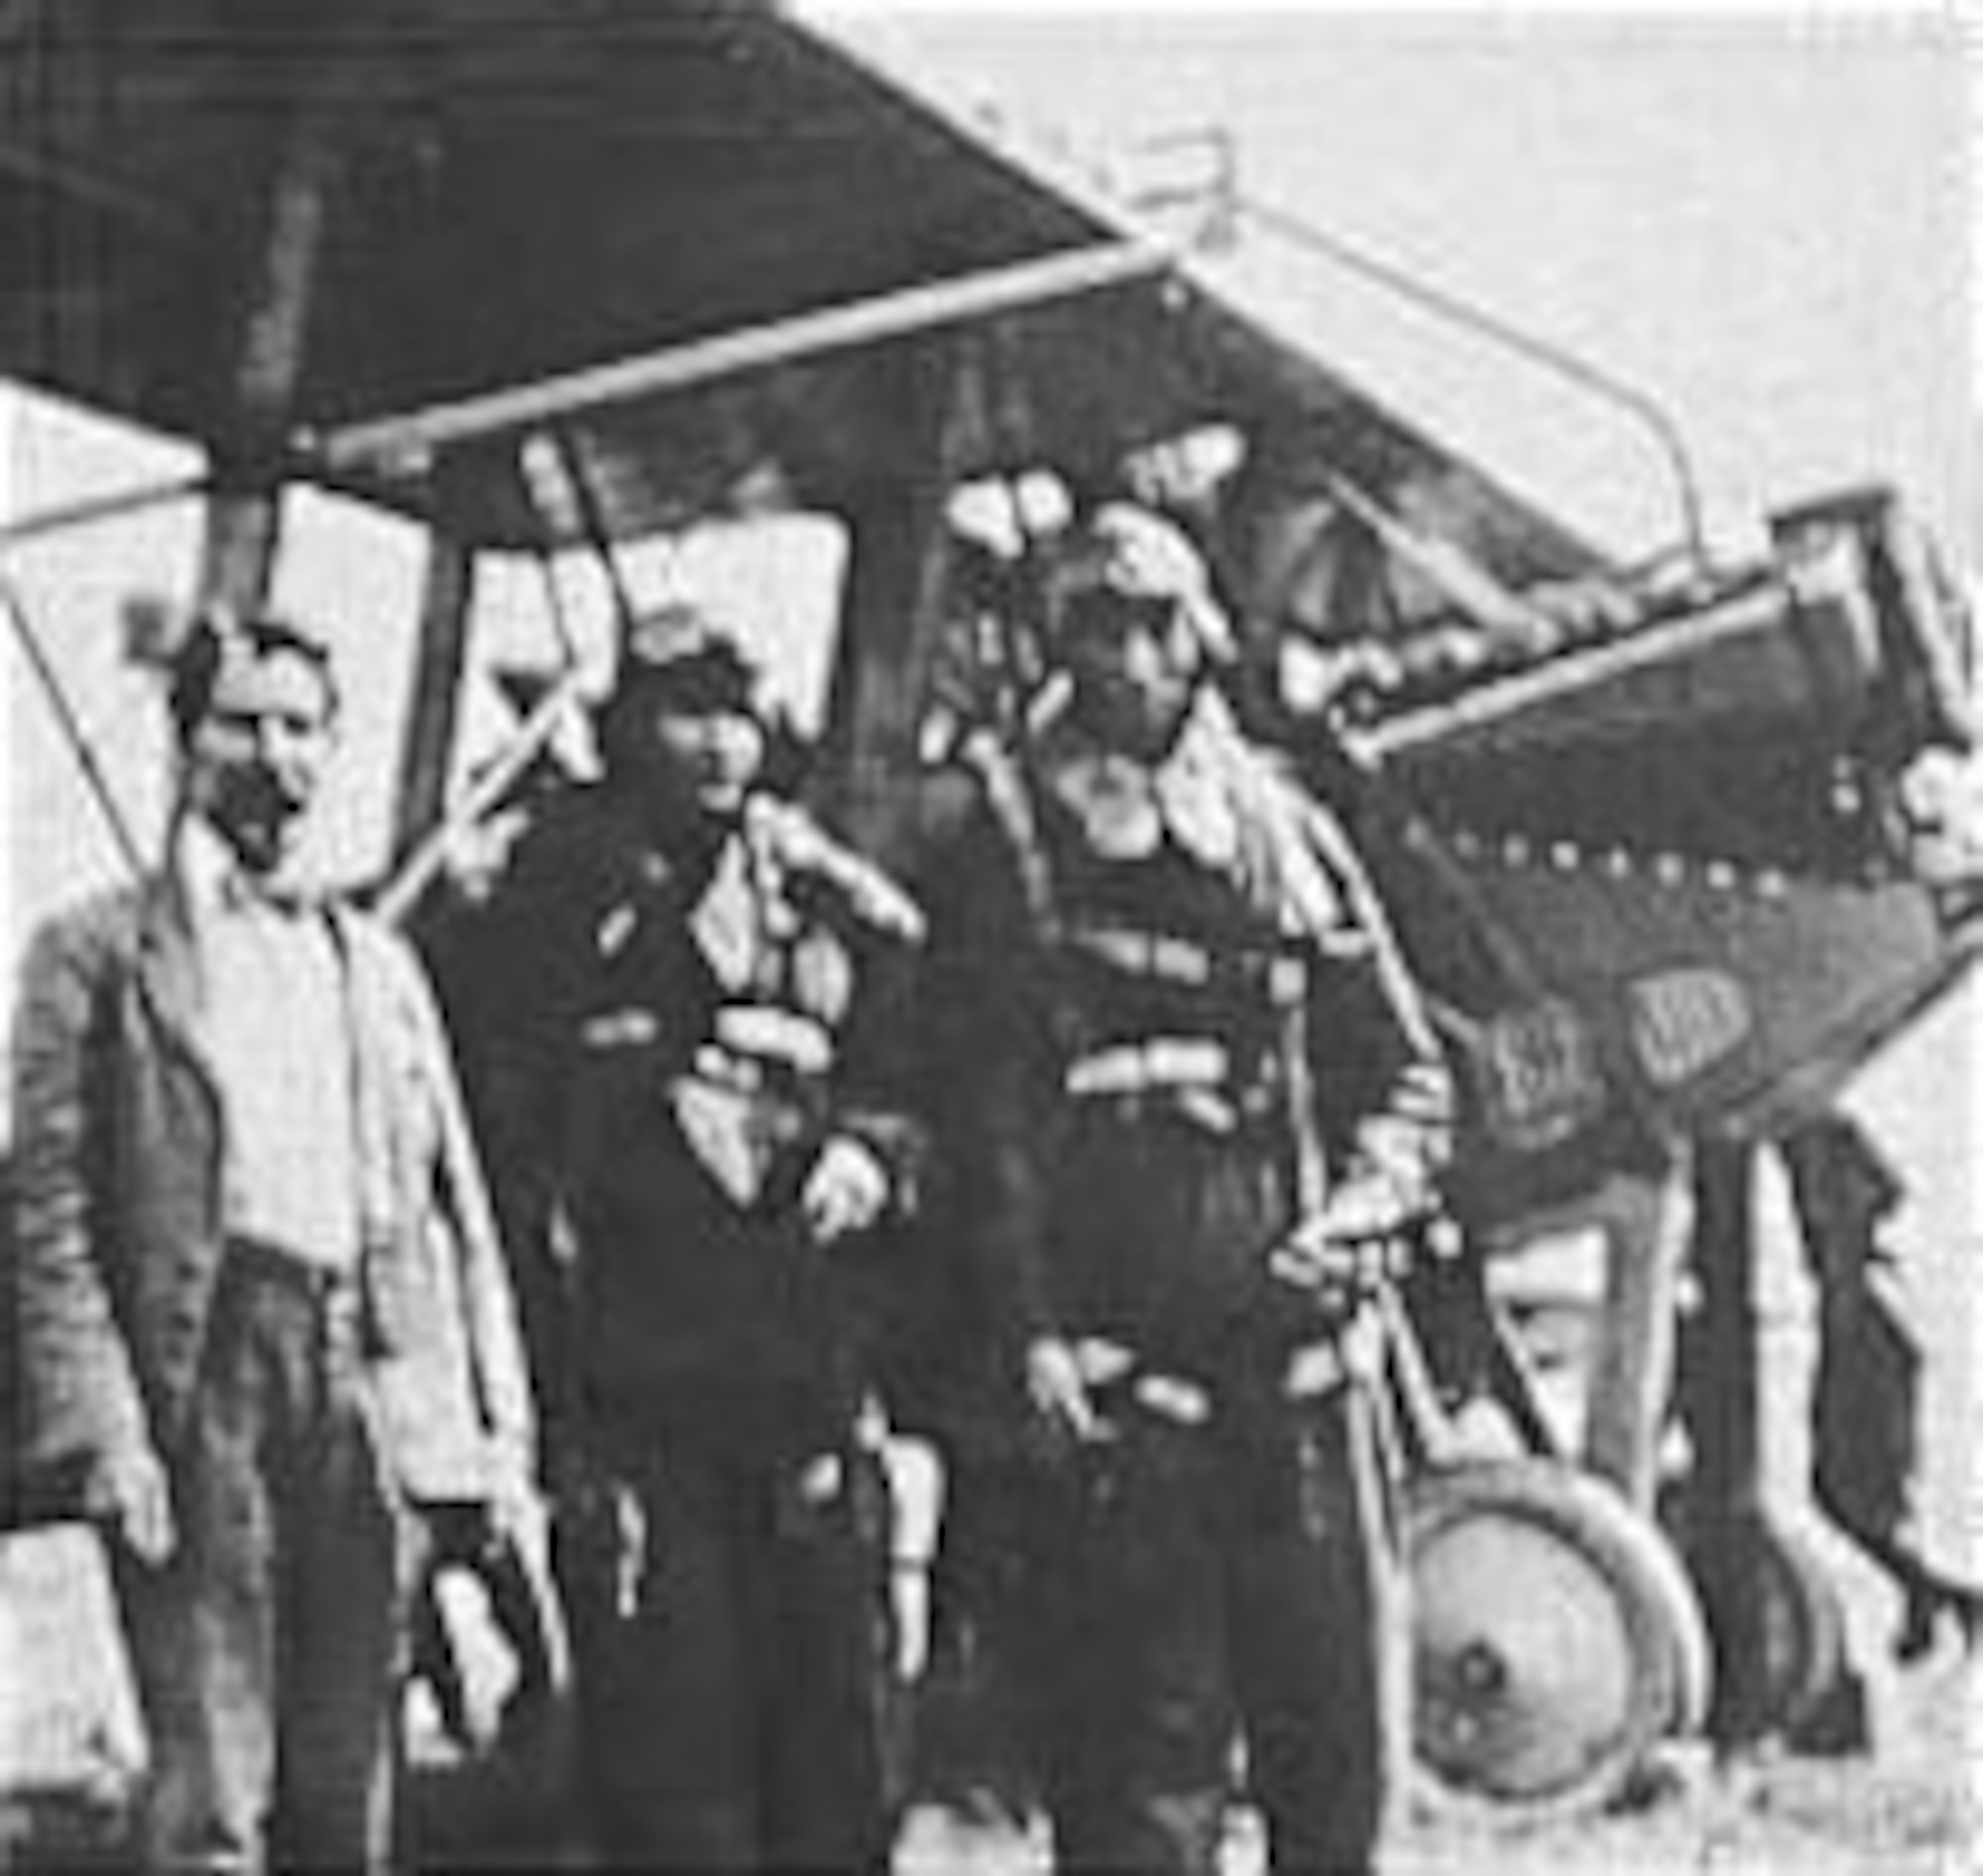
(264, 1319)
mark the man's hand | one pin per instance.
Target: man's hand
(1056, 1389)
(514, 1511)
(1327, 1252)
(846, 1191)
(127, 1492)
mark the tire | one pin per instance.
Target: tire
(1556, 1640)
(1667, 1577)
(1803, 1641)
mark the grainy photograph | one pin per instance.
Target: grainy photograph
(981, 941)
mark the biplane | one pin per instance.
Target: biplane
(550, 281)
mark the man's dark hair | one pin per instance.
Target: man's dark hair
(679, 658)
(213, 635)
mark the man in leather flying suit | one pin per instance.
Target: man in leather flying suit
(1200, 1091)
(692, 1040)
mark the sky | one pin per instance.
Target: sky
(1764, 222)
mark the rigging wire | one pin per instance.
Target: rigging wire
(71, 726)
(1457, 311)
(104, 507)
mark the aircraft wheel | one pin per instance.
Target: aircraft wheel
(1667, 1577)
(1802, 1626)
(1556, 1638)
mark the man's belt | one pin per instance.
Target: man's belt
(773, 1037)
(1191, 1076)
(1155, 1062)
(749, 1046)
(1350, 1350)
(259, 1260)
(1172, 959)
(332, 1293)
(1107, 1366)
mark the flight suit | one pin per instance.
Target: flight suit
(1210, 1582)
(687, 1022)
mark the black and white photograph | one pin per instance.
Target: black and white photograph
(982, 940)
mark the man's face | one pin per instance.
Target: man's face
(707, 755)
(255, 759)
(1134, 665)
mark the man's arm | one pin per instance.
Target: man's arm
(983, 1028)
(82, 1417)
(872, 1115)
(1379, 1062)
(492, 1327)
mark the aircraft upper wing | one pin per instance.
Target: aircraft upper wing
(712, 244)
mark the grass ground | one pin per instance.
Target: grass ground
(1908, 1806)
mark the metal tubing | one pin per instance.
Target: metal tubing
(894, 315)
(103, 508)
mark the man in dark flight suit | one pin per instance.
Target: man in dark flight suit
(692, 1020)
(1198, 1083)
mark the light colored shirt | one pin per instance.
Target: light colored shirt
(280, 1036)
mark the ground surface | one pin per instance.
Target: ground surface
(1908, 1806)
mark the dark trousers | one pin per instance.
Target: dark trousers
(266, 1647)
(1204, 1601)
(733, 1682)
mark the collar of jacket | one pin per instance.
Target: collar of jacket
(170, 902)
(170, 980)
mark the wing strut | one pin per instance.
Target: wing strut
(550, 401)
